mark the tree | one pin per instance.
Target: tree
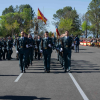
(94, 14)
(65, 24)
(67, 13)
(85, 27)
(50, 34)
(17, 19)
(8, 10)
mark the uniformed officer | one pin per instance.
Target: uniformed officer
(16, 46)
(53, 41)
(60, 53)
(46, 47)
(22, 42)
(9, 48)
(66, 48)
(57, 48)
(38, 50)
(0, 49)
(27, 60)
(33, 45)
(31, 42)
(4, 42)
(76, 44)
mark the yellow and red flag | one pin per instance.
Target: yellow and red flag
(41, 16)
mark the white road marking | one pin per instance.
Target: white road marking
(18, 77)
(78, 87)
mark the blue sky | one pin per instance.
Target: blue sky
(48, 7)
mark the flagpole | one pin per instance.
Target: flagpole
(43, 14)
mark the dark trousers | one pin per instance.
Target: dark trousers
(30, 55)
(4, 54)
(8, 54)
(22, 62)
(27, 60)
(76, 48)
(47, 61)
(35, 54)
(0, 54)
(38, 55)
(67, 59)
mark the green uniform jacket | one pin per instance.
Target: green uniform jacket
(44, 45)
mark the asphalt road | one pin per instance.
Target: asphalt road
(57, 85)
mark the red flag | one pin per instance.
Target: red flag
(57, 31)
(41, 16)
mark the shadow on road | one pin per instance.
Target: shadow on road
(82, 66)
(9, 97)
(77, 66)
(82, 49)
(8, 75)
(87, 52)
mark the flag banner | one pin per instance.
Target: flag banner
(41, 16)
(57, 31)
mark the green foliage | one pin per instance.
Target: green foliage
(14, 20)
(50, 34)
(65, 16)
(90, 37)
(66, 24)
(94, 14)
(85, 26)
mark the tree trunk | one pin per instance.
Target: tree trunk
(97, 34)
(12, 32)
(86, 33)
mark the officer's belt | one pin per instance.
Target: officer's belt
(21, 47)
(45, 48)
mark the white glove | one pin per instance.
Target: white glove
(61, 49)
(72, 44)
(49, 45)
(16, 51)
(41, 51)
(26, 46)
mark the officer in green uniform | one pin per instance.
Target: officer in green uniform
(66, 48)
(31, 42)
(4, 42)
(46, 47)
(0, 49)
(16, 46)
(22, 44)
(57, 48)
(60, 52)
(9, 48)
(53, 41)
(38, 50)
(27, 61)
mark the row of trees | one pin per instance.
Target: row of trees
(91, 19)
(14, 20)
(89, 23)
(67, 19)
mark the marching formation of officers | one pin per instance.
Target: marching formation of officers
(6, 45)
(27, 48)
